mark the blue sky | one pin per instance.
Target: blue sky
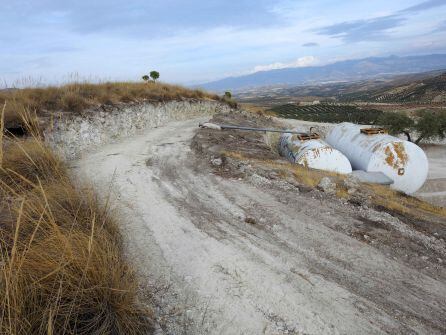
(195, 41)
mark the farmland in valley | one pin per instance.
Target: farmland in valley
(328, 113)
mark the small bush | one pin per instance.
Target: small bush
(396, 123)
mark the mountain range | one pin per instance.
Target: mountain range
(348, 70)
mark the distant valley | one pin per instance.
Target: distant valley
(344, 71)
(420, 88)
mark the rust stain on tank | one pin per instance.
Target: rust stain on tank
(397, 157)
(390, 157)
(400, 152)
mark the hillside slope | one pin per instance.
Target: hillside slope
(420, 88)
(77, 97)
(357, 69)
(428, 90)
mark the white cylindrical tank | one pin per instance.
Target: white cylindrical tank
(313, 153)
(402, 161)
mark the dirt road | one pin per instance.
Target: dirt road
(294, 267)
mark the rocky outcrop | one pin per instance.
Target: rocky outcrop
(327, 185)
(72, 134)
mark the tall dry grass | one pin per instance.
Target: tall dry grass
(62, 269)
(2, 130)
(76, 97)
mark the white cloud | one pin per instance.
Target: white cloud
(203, 52)
(300, 62)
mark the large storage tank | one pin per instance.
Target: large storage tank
(312, 152)
(371, 150)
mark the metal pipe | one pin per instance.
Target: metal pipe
(224, 126)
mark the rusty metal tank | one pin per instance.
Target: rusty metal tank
(373, 150)
(310, 151)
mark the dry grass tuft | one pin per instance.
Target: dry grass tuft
(403, 204)
(2, 130)
(27, 162)
(76, 97)
(62, 269)
(256, 109)
(305, 176)
(380, 195)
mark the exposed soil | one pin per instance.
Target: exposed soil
(250, 144)
(235, 248)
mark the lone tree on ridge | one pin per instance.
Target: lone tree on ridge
(154, 75)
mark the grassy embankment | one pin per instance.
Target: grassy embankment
(76, 97)
(62, 269)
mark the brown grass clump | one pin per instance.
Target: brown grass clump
(305, 176)
(403, 204)
(380, 195)
(76, 97)
(2, 129)
(256, 109)
(62, 269)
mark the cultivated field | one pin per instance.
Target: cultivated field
(328, 113)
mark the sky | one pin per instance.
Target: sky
(191, 41)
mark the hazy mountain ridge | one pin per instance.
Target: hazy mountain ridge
(427, 90)
(349, 70)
